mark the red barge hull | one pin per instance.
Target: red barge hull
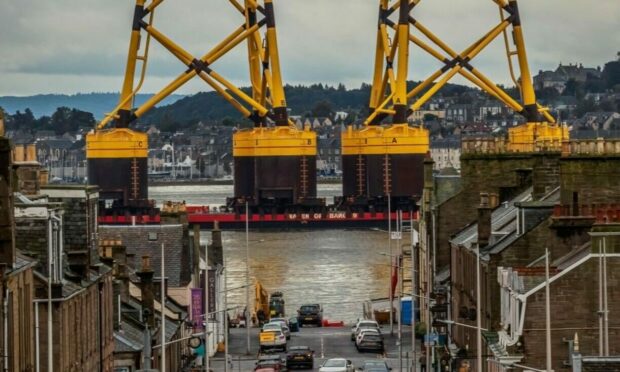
(232, 221)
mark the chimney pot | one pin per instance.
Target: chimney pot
(484, 200)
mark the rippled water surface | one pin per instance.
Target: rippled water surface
(339, 269)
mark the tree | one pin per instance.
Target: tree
(611, 74)
(430, 117)
(584, 106)
(574, 88)
(322, 109)
(24, 121)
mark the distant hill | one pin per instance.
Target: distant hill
(313, 100)
(96, 103)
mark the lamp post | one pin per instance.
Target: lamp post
(414, 243)
(247, 277)
(225, 291)
(391, 269)
(478, 312)
(206, 329)
(163, 309)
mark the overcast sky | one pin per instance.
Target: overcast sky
(71, 46)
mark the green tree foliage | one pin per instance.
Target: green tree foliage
(611, 74)
(584, 106)
(62, 120)
(323, 109)
(302, 100)
(70, 120)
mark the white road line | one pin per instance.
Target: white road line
(322, 351)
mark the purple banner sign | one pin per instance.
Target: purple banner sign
(211, 292)
(197, 308)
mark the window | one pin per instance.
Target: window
(152, 236)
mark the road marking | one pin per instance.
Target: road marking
(322, 351)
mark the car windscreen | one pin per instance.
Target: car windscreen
(309, 308)
(335, 363)
(299, 349)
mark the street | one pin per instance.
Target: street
(327, 342)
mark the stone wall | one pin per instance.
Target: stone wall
(505, 174)
(574, 309)
(79, 205)
(588, 180)
(20, 333)
(7, 246)
(83, 329)
(523, 251)
(31, 236)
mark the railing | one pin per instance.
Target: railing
(503, 146)
(599, 146)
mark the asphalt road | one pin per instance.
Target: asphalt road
(327, 343)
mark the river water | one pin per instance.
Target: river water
(340, 269)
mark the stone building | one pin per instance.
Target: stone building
(576, 287)
(512, 237)
(17, 342)
(69, 279)
(446, 153)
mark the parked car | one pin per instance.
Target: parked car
(272, 326)
(270, 363)
(337, 365)
(310, 314)
(300, 356)
(272, 339)
(283, 326)
(375, 366)
(364, 323)
(364, 331)
(370, 341)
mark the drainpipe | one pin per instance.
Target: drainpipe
(50, 332)
(6, 328)
(36, 338)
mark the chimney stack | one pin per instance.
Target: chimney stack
(2, 123)
(146, 288)
(484, 220)
(7, 221)
(216, 251)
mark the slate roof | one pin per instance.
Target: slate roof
(136, 240)
(502, 218)
(504, 222)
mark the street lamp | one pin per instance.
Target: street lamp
(452, 322)
(226, 290)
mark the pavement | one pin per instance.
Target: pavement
(327, 342)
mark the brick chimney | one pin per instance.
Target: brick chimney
(7, 221)
(146, 289)
(27, 170)
(484, 220)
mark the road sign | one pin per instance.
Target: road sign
(396, 235)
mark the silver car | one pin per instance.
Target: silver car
(363, 324)
(337, 365)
